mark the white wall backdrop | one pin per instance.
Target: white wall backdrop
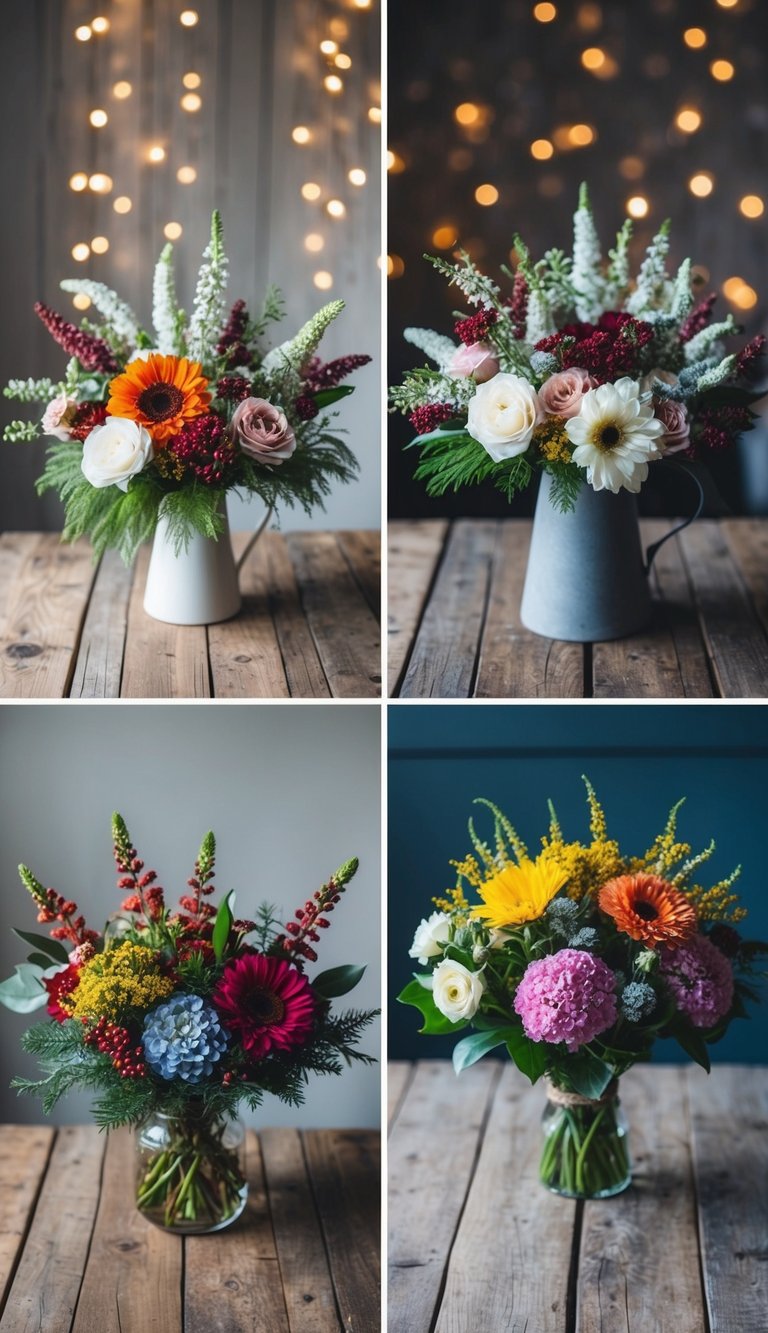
(261, 75)
(290, 793)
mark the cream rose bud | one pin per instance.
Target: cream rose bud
(457, 992)
(502, 415)
(115, 452)
(430, 935)
(262, 431)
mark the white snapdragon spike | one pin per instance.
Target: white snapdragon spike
(502, 416)
(616, 435)
(717, 374)
(299, 350)
(165, 310)
(682, 294)
(31, 391)
(586, 273)
(653, 290)
(431, 934)
(539, 322)
(434, 345)
(115, 452)
(117, 313)
(617, 277)
(457, 992)
(208, 310)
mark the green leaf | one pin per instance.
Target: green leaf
(337, 981)
(435, 1023)
(587, 1073)
(530, 1056)
(692, 1043)
(53, 948)
(473, 1048)
(440, 436)
(222, 926)
(24, 992)
(39, 960)
(327, 396)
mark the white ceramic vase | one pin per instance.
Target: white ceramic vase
(199, 585)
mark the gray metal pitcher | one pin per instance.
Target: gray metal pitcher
(587, 577)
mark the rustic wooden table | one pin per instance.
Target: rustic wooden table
(476, 1243)
(75, 1255)
(308, 629)
(455, 632)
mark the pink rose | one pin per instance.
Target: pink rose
(677, 434)
(263, 431)
(561, 394)
(58, 416)
(477, 361)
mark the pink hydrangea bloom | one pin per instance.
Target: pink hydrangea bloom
(569, 996)
(700, 978)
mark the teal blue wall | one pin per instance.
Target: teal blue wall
(641, 759)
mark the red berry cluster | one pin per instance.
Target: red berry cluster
(474, 329)
(204, 447)
(231, 344)
(233, 388)
(430, 416)
(58, 908)
(608, 349)
(698, 319)
(518, 305)
(116, 1042)
(309, 920)
(87, 417)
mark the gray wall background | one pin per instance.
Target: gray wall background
(290, 793)
(262, 73)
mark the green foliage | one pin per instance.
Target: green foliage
(268, 923)
(341, 1032)
(272, 311)
(450, 460)
(435, 1023)
(567, 481)
(30, 391)
(306, 478)
(512, 476)
(222, 926)
(471, 1049)
(480, 289)
(21, 432)
(53, 949)
(24, 991)
(337, 981)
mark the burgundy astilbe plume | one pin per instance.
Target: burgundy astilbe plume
(518, 305)
(231, 343)
(720, 427)
(698, 319)
(431, 415)
(474, 329)
(92, 352)
(326, 375)
(749, 359)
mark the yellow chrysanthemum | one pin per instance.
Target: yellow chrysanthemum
(125, 978)
(519, 893)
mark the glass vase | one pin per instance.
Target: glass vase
(190, 1175)
(586, 1152)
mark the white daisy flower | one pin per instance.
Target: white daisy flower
(615, 434)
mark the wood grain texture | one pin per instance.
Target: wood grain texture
(432, 1152)
(413, 552)
(344, 1168)
(729, 1134)
(748, 542)
(734, 636)
(399, 1075)
(44, 614)
(344, 629)
(362, 550)
(671, 588)
(162, 661)
(511, 1255)
(245, 652)
(24, 1152)
(301, 662)
(99, 665)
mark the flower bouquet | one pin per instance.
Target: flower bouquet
(585, 377)
(151, 429)
(176, 1017)
(576, 961)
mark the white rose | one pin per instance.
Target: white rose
(456, 991)
(430, 934)
(502, 415)
(115, 452)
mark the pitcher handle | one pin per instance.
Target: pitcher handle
(253, 540)
(653, 550)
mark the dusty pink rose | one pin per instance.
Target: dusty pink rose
(263, 431)
(477, 361)
(561, 394)
(677, 434)
(58, 416)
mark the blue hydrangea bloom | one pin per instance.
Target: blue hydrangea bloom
(638, 1001)
(586, 938)
(183, 1038)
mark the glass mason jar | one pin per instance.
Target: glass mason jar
(586, 1152)
(190, 1175)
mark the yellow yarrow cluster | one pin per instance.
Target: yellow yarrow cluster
(125, 978)
(587, 867)
(455, 899)
(552, 441)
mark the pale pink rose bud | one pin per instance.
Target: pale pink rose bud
(674, 416)
(561, 394)
(478, 361)
(58, 417)
(262, 431)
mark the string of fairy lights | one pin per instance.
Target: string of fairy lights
(325, 203)
(473, 120)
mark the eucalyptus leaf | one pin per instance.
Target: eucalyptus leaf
(24, 992)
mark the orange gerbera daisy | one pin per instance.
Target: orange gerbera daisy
(160, 393)
(647, 908)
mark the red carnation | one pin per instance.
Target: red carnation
(266, 1002)
(61, 984)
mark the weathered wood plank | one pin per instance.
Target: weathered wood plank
(45, 1289)
(43, 618)
(399, 1075)
(99, 662)
(729, 1134)
(344, 629)
(639, 1260)
(362, 550)
(514, 662)
(244, 652)
(432, 1152)
(512, 1250)
(748, 541)
(735, 638)
(232, 1278)
(344, 1167)
(132, 1280)
(14, 550)
(24, 1152)
(301, 663)
(162, 661)
(673, 592)
(307, 1285)
(444, 656)
(413, 552)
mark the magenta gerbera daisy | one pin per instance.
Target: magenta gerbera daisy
(266, 1003)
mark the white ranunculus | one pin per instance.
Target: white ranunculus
(616, 436)
(503, 414)
(457, 992)
(430, 935)
(115, 452)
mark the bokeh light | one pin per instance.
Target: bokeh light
(544, 13)
(695, 38)
(486, 195)
(172, 231)
(722, 70)
(100, 245)
(78, 182)
(122, 204)
(752, 206)
(638, 206)
(80, 252)
(542, 149)
(323, 279)
(122, 89)
(688, 119)
(301, 134)
(310, 190)
(98, 118)
(314, 242)
(186, 175)
(702, 184)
